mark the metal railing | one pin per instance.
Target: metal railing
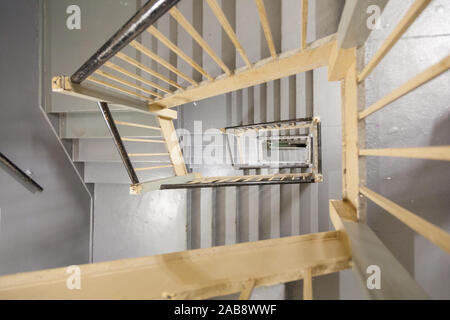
(311, 167)
(19, 175)
(154, 100)
(141, 21)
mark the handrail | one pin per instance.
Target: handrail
(248, 180)
(441, 153)
(20, 176)
(118, 142)
(144, 18)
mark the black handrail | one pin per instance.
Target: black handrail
(262, 124)
(20, 176)
(118, 142)
(298, 180)
(144, 18)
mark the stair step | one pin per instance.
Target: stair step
(194, 228)
(92, 125)
(289, 209)
(103, 172)
(104, 150)
(226, 209)
(207, 206)
(68, 104)
(249, 210)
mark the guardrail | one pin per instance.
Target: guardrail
(19, 175)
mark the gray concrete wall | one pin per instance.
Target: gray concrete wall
(49, 229)
(421, 118)
(66, 50)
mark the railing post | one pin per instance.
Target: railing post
(118, 142)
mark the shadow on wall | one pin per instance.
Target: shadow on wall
(421, 186)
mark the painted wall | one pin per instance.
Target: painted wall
(124, 226)
(67, 49)
(421, 118)
(48, 229)
(52, 229)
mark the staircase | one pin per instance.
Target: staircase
(222, 216)
(93, 146)
(219, 216)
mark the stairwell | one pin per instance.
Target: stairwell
(130, 226)
(238, 214)
(71, 142)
